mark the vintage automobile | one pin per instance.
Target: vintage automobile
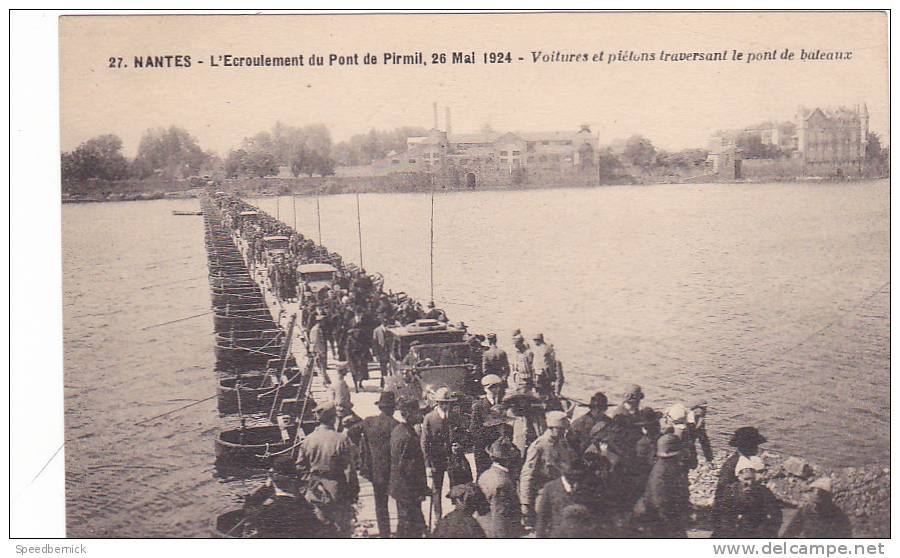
(314, 277)
(427, 355)
(275, 246)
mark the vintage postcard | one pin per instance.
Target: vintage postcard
(468, 275)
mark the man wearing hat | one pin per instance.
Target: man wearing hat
(746, 440)
(696, 430)
(521, 378)
(543, 461)
(666, 506)
(499, 487)
(569, 489)
(437, 443)
(482, 434)
(631, 402)
(819, 517)
(380, 346)
(407, 485)
(645, 449)
(748, 509)
(318, 345)
(544, 367)
(373, 436)
(494, 359)
(580, 432)
(340, 391)
(325, 459)
(459, 524)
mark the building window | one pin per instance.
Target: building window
(395, 161)
(545, 142)
(503, 153)
(517, 153)
(502, 159)
(412, 160)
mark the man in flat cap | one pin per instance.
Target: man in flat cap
(543, 462)
(437, 443)
(494, 359)
(326, 460)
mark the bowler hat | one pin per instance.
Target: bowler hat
(599, 399)
(386, 399)
(409, 405)
(502, 448)
(668, 445)
(538, 337)
(491, 336)
(746, 436)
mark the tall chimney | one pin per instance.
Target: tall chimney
(449, 129)
(435, 116)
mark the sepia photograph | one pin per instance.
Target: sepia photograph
(619, 275)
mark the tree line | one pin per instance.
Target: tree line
(173, 153)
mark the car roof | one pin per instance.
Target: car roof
(316, 268)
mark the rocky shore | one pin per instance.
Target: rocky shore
(864, 493)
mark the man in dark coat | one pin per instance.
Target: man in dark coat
(407, 485)
(580, 431)
(373, 435)
(494, 359)
(747, 440)
(748, 509)
(483, 413)
(498, 483)
(459, 524)
(436, 443)
(645, 450)
(820, 517)
(561, 493)
(666, 505)
(357, 350)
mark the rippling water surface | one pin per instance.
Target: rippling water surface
(770, 301)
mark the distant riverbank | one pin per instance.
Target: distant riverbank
(273, 186)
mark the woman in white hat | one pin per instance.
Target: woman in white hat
(748, 508)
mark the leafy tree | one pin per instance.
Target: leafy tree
(609, 164)
(100, 157)
(640, 152)
(873, 147)
(753, 147)
(172, 153)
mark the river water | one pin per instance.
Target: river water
(771, 301)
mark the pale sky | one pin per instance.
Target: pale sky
(675, 104)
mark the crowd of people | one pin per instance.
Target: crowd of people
(614, 471)
(619, 471)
